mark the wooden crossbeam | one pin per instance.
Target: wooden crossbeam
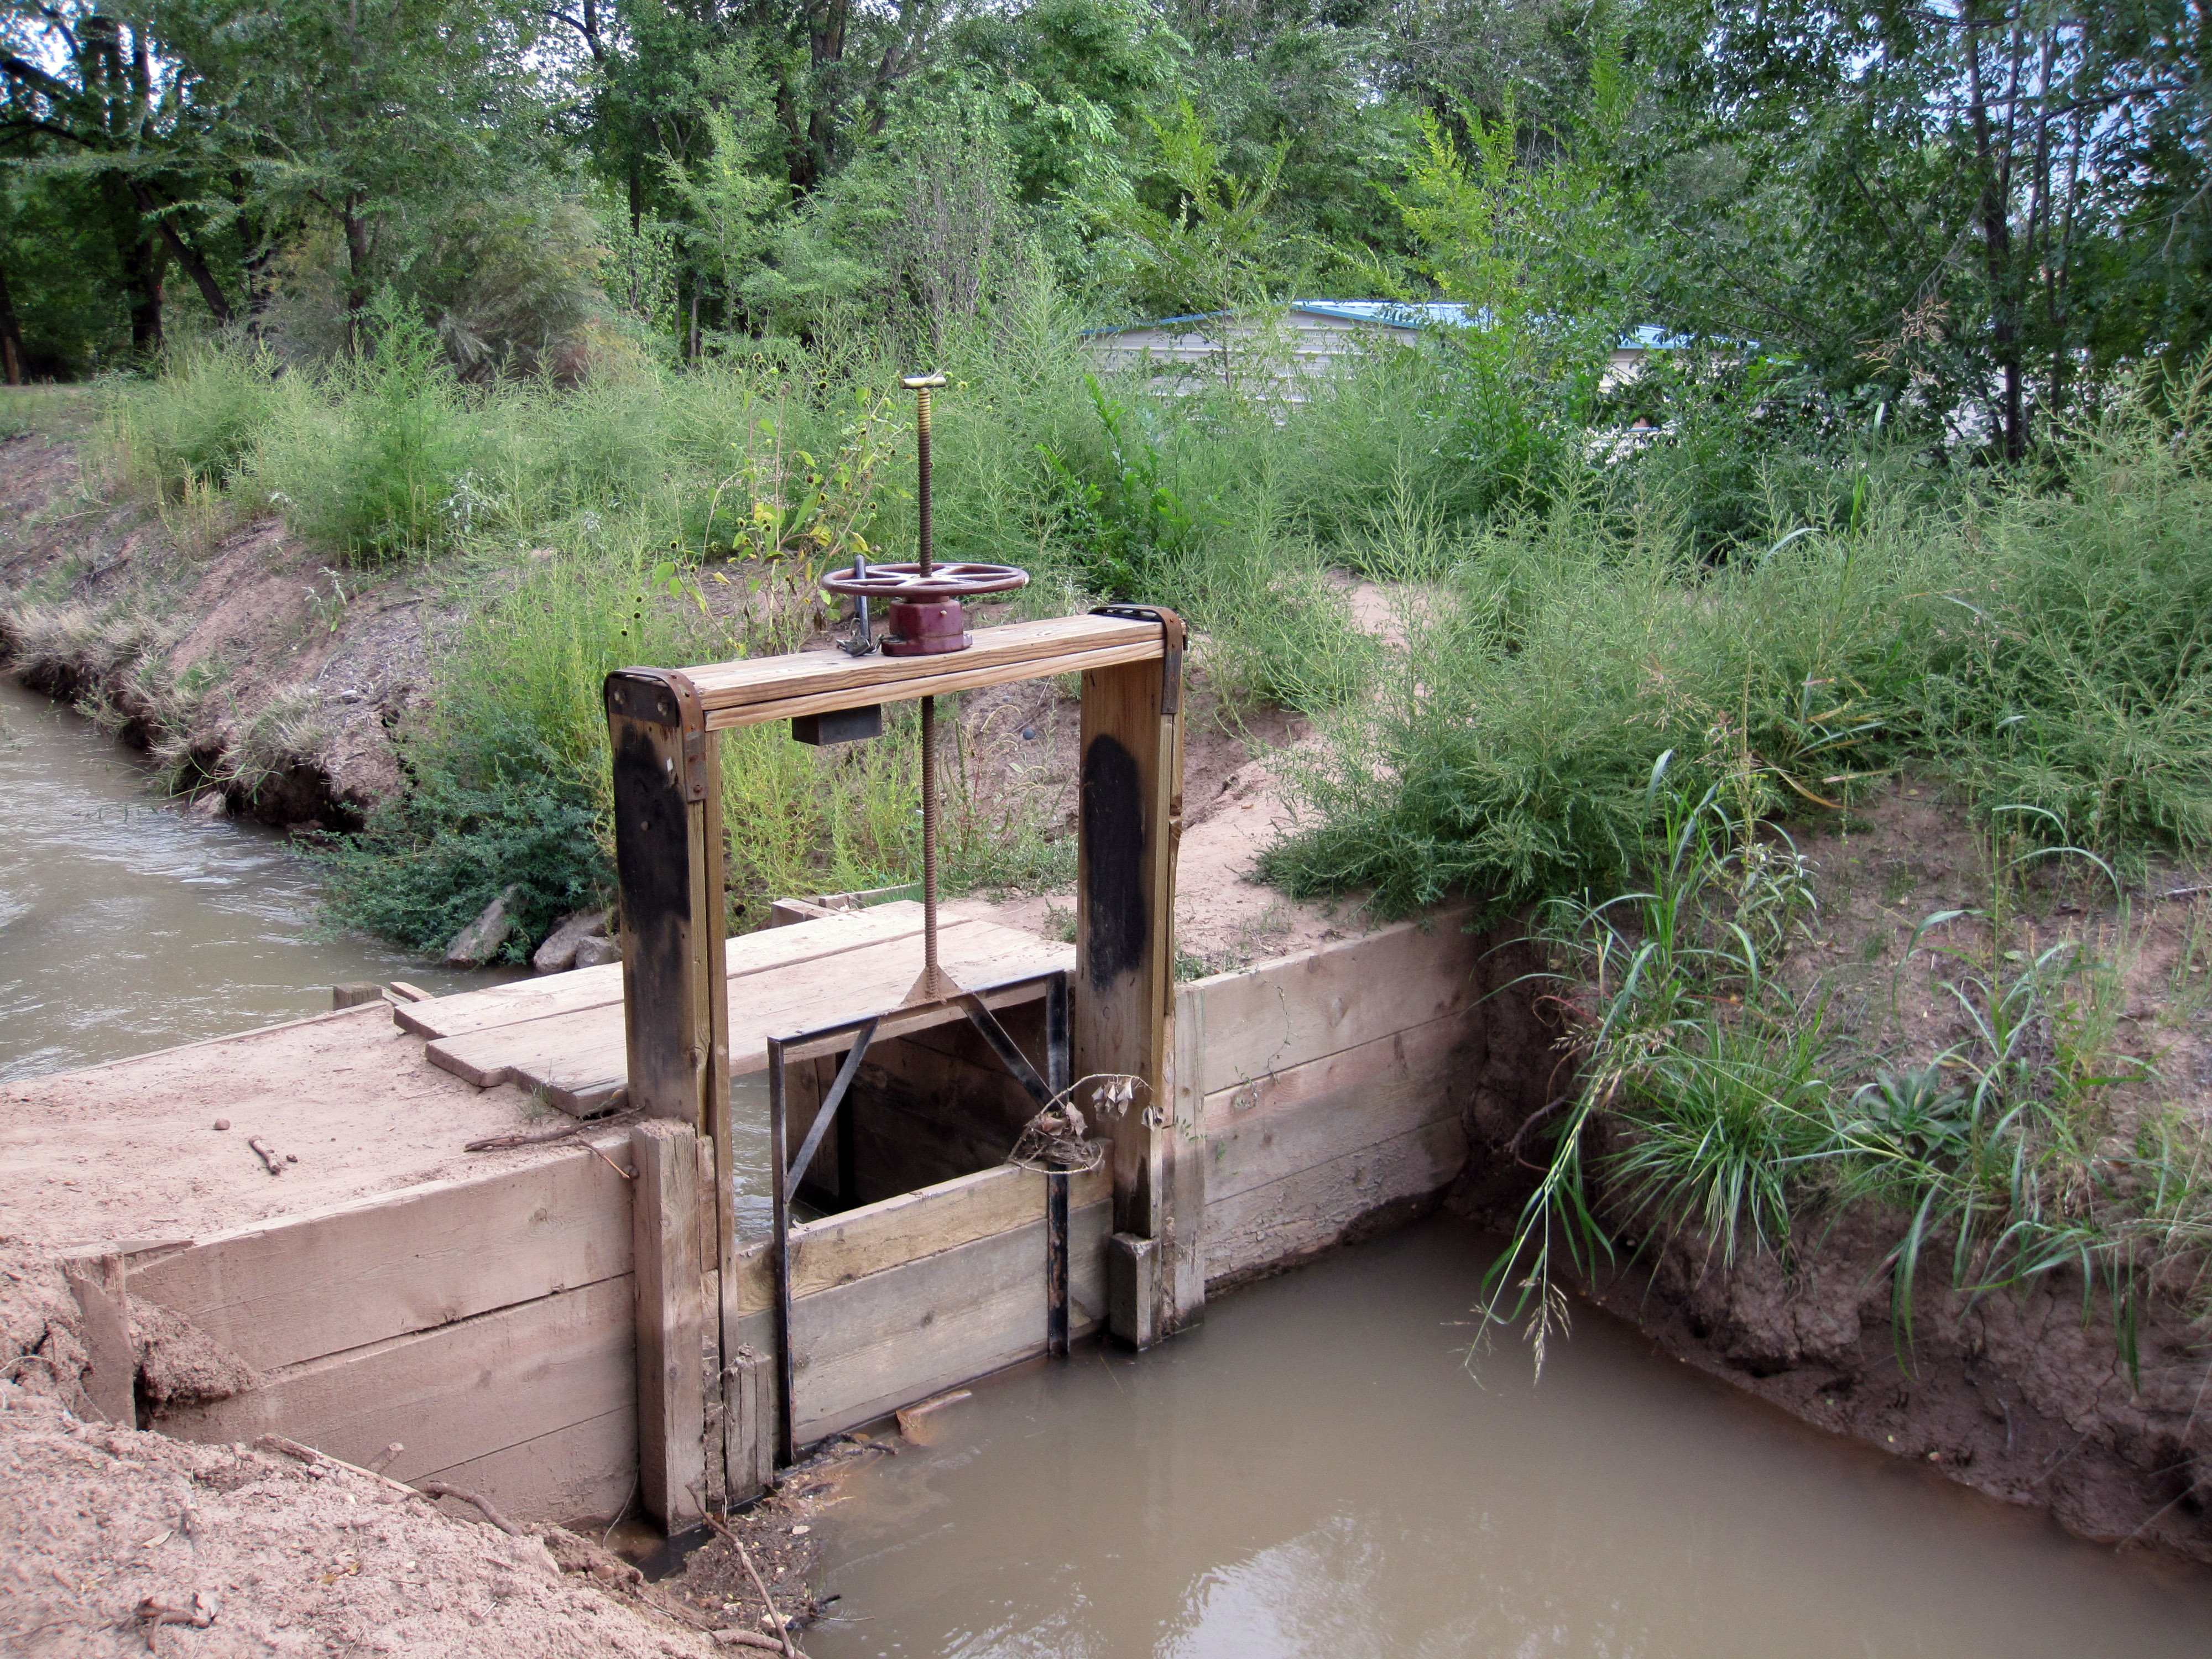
(764, 689)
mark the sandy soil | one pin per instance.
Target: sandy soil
(108, 1529)
(129, 1152)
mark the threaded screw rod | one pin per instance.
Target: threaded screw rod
(921, 386)
(929, 841)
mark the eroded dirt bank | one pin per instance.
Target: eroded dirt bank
(2023, 1393)
(246, 665)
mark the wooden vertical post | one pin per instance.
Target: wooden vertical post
(676, 1005)
(1130, 825)
(111, 1373)
(671, 1324)
(668, 862)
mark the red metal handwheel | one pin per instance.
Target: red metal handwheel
(946, 580)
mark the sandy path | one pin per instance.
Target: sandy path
(128, 1151)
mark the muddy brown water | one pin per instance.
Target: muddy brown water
(126, 926)
(1315, 1475)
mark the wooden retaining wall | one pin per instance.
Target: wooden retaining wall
(1316, 1090)
(484, 1325)
(494, 1327)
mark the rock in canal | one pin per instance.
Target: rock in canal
(594, 952)
(479, 942)
(558, 954)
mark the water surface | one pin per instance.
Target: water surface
(1315, 1475)
(126, 926)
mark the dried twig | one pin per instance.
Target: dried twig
(277, 1442)
(543, 1138)
(268, 1154)
(744, 1638)
(782, 1625)
(150, 1615)
(439, 1489)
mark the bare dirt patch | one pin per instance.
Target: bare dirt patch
(129, 1152)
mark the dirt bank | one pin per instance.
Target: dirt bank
(2021, 1393)
(233, 654)
(251, 670)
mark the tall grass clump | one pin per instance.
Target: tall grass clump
(2044, 641)
(193, 424)
(2078, 673)
(1702, 1083)
(367, 459)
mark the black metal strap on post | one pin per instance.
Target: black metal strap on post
(1171, 631)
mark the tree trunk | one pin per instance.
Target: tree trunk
(184, 253)
(826, 48)
(357, 256)
(142, 257)
(11, 336)
(1995, 173)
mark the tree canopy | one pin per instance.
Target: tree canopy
(1972, 214)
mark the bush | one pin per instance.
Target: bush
(368, 459)
(2046, 646)
(193, 423)
(429, 860)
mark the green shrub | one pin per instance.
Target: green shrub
(374, 459)
(432, 857)
(195, 422)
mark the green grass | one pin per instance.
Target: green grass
(2041, 639)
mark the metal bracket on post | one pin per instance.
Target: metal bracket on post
(1171, 662)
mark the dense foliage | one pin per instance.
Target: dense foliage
(1968, 217)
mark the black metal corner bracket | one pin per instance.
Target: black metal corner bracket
(1171, 632)
(663, 696)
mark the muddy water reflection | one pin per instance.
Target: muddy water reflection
(126, 928)
(1315, 1474)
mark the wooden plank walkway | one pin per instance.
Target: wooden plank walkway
(563, 1035)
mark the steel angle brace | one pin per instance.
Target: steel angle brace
(789, 1169)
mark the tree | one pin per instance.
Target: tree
(1970, 208)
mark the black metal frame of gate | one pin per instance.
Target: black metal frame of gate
(1043, 1090)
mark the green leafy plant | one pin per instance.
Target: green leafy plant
(1128, 529)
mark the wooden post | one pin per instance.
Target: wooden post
(676, 1002)
(668, 862)
(111, 1373)
(1129, 826)
(671, 1324)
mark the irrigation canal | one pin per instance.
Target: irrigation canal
(1314, 1473)
(126, 926)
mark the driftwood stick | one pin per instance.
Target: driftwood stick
(543, 1138)
(744, 1638)
(439, 1489)
(268, 1154)
(783, 1627)
(277, 1442)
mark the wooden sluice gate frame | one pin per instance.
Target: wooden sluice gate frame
(1116, 1020)
(575, 1325)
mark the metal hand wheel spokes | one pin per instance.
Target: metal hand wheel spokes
(912, 583)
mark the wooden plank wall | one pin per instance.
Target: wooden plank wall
(902, 1299)
(488, 1326)
(1320, 1089)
